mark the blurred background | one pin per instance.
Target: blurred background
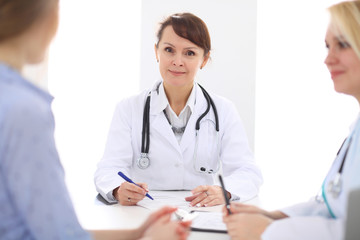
(267, 58)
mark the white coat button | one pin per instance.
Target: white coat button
(177, 165)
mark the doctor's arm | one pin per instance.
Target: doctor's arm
(257, 226)
(247, 221)
(308, 222)
(118, 156)
(242, 177)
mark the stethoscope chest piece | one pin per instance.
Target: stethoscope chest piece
(143, 161)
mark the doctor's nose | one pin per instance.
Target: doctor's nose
(178, 61)
(331, 57)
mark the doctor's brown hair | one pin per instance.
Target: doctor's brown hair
(190, 27)
(18, 15)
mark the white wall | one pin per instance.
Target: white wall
(93, 64)
(232, 27)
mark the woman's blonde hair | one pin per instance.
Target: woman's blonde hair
(345, 19)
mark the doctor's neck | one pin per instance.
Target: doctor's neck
(177, 96)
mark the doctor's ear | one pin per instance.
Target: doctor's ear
(156, 54)
(206, 58)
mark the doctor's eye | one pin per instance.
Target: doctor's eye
(169, 49)
(344, 44)
(190, 53)
(327, 46)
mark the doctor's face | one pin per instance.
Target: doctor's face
(179, 59)
(343, 65)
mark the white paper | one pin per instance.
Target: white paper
(209, 221)
(207, 218)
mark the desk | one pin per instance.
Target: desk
(97, 215)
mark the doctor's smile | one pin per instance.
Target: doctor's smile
(335, 74)
(177, 73)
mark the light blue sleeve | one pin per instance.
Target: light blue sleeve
(34, 176)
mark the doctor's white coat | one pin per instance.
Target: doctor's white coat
(312, 220)
(171, 164)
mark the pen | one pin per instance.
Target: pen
(131, 181)
(225, 195)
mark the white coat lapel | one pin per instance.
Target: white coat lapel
(159, 123)
(200, 107)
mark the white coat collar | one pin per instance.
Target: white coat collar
(159, 100)
(160, 123)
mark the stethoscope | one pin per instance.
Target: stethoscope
(144, 160)
(335, 185)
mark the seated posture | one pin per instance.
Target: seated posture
(324, 216)
(176, 136)
(34, 202)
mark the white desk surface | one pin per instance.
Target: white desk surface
(97, 215)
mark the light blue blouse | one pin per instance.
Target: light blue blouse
(34, 201)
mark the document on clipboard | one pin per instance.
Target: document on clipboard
(205, 219)
(208, 222)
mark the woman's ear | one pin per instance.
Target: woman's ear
(156, 52)
(206, 58)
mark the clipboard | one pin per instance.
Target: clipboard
(208, 222)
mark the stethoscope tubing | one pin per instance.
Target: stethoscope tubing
(145, 134)
(335, 184)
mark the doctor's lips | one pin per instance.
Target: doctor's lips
(334, 74)
(176, 73)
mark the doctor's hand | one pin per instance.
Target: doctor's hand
(206, 196)
(129, 194)
(245, 208)
(158, 226)
(249, 226)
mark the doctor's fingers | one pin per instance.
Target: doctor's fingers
(211, 203)
(127, 196)
(245, 208)
(200, 197)
(140, 188)
(134, 196)
(130, 199)
(212, 200)
(200, 189)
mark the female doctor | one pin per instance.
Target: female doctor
(324, 217)
(176, 136)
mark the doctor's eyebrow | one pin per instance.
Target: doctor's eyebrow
(167, 43)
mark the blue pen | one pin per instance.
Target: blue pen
(131, 181)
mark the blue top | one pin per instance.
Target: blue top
(34, 201)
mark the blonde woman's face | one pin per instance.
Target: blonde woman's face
(343, 65)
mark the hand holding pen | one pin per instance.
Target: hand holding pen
(227, 201)
(130, 193)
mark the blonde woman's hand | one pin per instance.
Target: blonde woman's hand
(246, 226)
